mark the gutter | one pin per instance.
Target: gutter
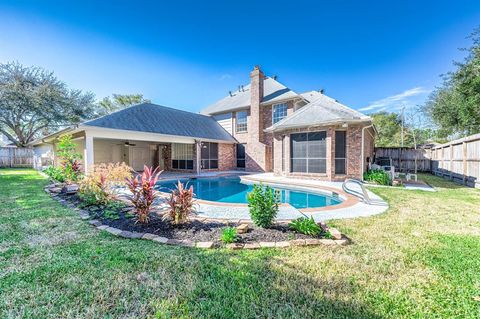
(363, 149)
(275, 129)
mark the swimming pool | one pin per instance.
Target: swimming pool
(230, 189)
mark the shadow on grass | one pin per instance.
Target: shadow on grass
(99, 275)
(439, 182)
(260, 284)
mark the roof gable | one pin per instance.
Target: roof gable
(321, 110)
(152, 118)
(272, 91)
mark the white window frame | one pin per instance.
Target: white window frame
(243, 130)
(285, 112)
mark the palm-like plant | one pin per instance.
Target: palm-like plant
(143, 192)
(181, 204)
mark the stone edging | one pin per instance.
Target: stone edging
(201, 244)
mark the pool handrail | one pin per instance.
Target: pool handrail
(363, 195)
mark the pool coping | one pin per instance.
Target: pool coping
(347, 199)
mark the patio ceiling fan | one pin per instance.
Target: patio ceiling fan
(127, 144)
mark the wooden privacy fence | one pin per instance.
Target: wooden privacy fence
(458, 160)
(404, 158)
(16, 157)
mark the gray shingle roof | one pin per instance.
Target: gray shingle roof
(272, 91)
(321, 110)
(152, 118)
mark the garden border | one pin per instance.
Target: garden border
(84, 215)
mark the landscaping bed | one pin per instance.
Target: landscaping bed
(198, 230)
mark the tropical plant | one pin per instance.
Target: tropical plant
(263, 205)
(55, 173)
(143, 192)
(182, 204)
(69, 158)
(306, 226)
(229, 235)
(378, 176)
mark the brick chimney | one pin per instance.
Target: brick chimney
(256, 97)
(255, 148)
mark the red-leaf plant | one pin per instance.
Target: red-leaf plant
(181, 204)
(143, 192)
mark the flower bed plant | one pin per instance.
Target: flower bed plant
(143, 193)
(263, 205)
(377, 176)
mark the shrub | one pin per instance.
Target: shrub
(263, 205)
(100, 185)
(229, 235)
(181, 204)
(55, 173)
(69, 158)
(143, 192)
(378, 176)
(306, 226)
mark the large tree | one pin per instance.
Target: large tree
(120, 101)
(389, 127)
(455, 105)
(33, 101)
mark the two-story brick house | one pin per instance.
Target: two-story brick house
(262, 127)
(292, 134)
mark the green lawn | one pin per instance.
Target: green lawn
(421, 259)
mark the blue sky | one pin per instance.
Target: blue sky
(376, 55)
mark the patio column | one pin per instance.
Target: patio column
(88, 152)
(198, 156)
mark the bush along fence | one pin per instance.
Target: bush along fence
(16, 157)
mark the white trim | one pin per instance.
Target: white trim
(273, 111)
(101, 132)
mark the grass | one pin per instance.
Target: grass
(421, 259)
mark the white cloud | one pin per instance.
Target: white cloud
(225, 76)
(406, 98)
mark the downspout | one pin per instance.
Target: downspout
(363, 149)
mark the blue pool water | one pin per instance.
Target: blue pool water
(229, 189)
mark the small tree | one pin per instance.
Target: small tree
(69, 158)
(263, 205)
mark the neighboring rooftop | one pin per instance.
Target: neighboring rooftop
(272, 91)
(321, 110)
(152, 118)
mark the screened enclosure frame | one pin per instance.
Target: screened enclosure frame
(209, 155)
(308, 152)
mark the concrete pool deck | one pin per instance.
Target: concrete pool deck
(351, 207)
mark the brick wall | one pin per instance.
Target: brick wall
(354, 144)
(226, 157)
(255, 150)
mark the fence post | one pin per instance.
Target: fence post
(464, 146)
(451, 162)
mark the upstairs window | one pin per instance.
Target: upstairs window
(241, 125)
(279, 112)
